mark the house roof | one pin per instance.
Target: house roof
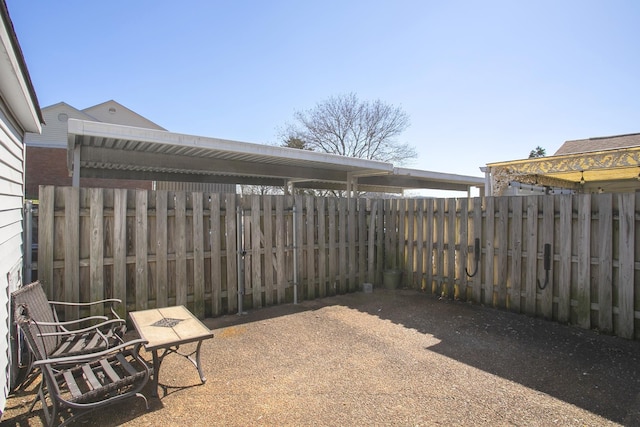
(599, 144)
(15, 85)
(104, 150)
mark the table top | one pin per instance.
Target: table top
(168, 326)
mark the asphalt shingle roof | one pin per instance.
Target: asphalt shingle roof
(599, 144)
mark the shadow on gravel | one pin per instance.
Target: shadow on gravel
(595, 372)
(598, 373)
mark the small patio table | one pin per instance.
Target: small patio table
(166, 329)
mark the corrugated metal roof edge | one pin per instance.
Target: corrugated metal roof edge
(107, 130)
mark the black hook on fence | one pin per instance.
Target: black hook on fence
(476, 257)
(547, 266)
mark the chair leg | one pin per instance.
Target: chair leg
(49, 414)
(146, 402)
(40, 395)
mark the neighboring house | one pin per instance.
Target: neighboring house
(47, 152)
(19, 113)
(608, 164)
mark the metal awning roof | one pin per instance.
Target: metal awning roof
(569, 170)
(104, 150)
(598, 165)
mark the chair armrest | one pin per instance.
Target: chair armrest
(81, 358)
(78, 331)
(86, 304)
(73, 322)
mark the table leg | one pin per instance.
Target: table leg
(197, 363)
(157, 361)
(156, 370)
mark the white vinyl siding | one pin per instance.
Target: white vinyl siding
(11, 226)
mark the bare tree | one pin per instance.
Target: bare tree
(347, 126)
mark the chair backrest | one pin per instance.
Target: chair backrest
(31, 301)
(31, 332)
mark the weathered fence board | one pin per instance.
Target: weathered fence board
(626, 282)
(605, 254)
(420, 247)
(215, 237)
(231, 227)
(489, 251)
(120, 249)
(198, 256)
(71, 250)
(211, 251)
(531, 255)
(440, 254)
(565, 254)
(141, 254)
(161, 248)
(546, 300)
(515, 279)
(310, 245)
(333, 251)
(96, 258)
(269, 262)
(502, 229)
(463, 252)
(451, 233)
(362, 243)
(322, 248)
(584, 262)
(342, 245)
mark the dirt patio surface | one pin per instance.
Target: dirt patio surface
(386, 358)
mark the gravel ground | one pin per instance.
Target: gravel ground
(387, 358)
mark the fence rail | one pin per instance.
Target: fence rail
(221, 253)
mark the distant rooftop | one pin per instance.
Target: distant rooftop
(599, 144)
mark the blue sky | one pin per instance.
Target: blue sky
(482, 81)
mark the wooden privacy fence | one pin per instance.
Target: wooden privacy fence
(220, 253)
(214, 253)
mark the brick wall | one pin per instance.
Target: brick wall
(48, 166)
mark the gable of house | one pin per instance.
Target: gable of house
(46, 152)
(54, 133)
(599, 144)
(117, 114)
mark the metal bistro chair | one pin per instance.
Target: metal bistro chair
(73, 337)
(77, 385)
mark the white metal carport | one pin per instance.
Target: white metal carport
(103, 150)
